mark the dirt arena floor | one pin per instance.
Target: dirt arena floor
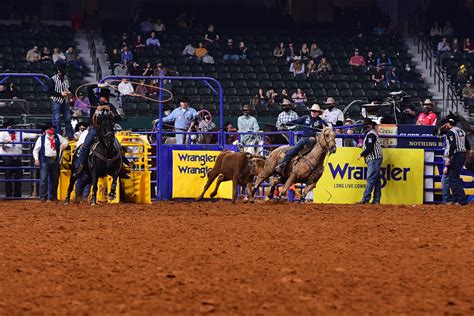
(261, 259)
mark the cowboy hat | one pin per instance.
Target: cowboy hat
(287, 102)
(8, 123)
(428, 102)
(246, 107)
(316, 108)
(330, 100)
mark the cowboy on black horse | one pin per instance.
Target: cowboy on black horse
(99, 103)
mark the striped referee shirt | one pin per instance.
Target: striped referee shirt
(456, 142)
(372, 149)
(59, 87)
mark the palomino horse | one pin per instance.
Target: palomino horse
(305, 169)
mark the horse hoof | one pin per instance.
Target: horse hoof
(66, 202)
(266, 199)
(111, 196)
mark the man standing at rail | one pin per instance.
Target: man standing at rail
(372, 153)
(182, 118)
(427, 117)
(455, 156)
(247, 123)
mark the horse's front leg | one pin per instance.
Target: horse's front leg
(94, 188)
(112, 193)
(287, 185)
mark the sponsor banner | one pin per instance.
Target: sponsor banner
(344, 177)
(190, 169)
(418, 130)
(388, 129)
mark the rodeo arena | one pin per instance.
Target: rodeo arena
(273, 157)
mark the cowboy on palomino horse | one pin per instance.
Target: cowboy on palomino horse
(309, 124)
(307, 168)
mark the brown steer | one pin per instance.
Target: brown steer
(239, 167)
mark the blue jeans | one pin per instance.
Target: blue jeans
(296, 149)
(452, 181)
(13, 188)
(231, 57)
(58, 109)
(373, 181)
(49, 170)
(86, 147)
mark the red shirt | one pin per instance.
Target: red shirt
(429, 118)
(358, 60)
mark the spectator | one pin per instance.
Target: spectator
(349, 142)
(279, 51)
(247, 123)
(315, 52)
(139, 45)
(311, 69)
(146, 26)
(115, 57)
(46, 55)
(436, 30)
(59, 90)
(189, 51)
(153, 41)
(285, 95)
(58, 56)
(136, 70)
(126, 56)
(285, 116)
(33, 55)
(125, 87)
(332, 114)
(297, 68)
(371, 61)
(299, 99)
(148, 70)
(448, 29)
(455, 46)
(271, 96)
(228, 128)
(393, 78)
(78, 64)
(141, 88)
(324, 67)
(79, 130)
(290, 52)
(121, 70)
(46, 152)
(230, 52)
(125, 41)
(468, 95)
(379, 30)
(444, 49)
(70, 55)
(462, 76)
(182, 118)
(357, 61)
(161, 71)
(259, 100)
(427, 117)
(408, 75)
(182, 21)
(207, 125)
(159, 26)
(243, 50)
(12, 157)
(81, 106)
(378, 77)
(7, 93)
(201, 51)
(304, 52)
(211, 39)
(468, 47)
(384, 61)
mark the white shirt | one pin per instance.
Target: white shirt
(13, 149)
(331, 117)
(125, 88)
(48, 151)
(82, 138)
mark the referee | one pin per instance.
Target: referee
(372, 153)
(455, 156)
(60, 94)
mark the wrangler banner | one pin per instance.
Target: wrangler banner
(190, 168)
(344, 177)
